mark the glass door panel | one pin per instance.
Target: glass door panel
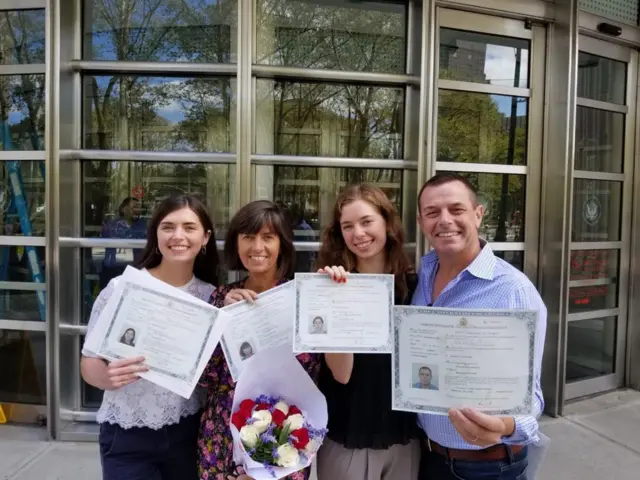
(600, 233)
(489, 124)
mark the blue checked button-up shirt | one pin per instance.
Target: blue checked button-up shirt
(488, 282)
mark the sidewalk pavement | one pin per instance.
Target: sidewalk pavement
(597, 438)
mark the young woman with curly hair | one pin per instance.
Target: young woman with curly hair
(366, 439)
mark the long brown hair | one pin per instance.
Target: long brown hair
(205, 266)
(334, 250)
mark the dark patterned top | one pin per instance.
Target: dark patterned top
(215, 444)
(360, 414)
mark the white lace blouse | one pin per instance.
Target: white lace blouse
(142, 403)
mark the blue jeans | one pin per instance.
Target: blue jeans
(140, 453)
(435, 466)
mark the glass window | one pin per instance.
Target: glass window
(481, 58)
(101, 265)
(503, 197)
(160, 113)
(591, 346)
(119, 197)
(481, 128)
(596, 211)
(363, 37)
(22, 198)
(22, 34)
(21, 112)
(24, 367)
(594, 264)
(161, 31)
(295, 118)
(594, 297)
(601, 78)
(514, 258)
(309, 195)
(16, 304)
(599, 140)
(91, 396)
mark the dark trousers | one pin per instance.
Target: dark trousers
(140, 453)
(435, 466)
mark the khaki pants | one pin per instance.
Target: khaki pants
(399, 462)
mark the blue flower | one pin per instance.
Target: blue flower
(268, 437)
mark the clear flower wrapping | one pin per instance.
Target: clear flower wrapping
(279, 416)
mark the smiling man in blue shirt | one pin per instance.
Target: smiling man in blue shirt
(461, 271)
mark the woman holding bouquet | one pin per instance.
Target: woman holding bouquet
(259, 241)
(366, 440)
(146, 431)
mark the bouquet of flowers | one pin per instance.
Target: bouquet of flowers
(279, 416)
(274, 433)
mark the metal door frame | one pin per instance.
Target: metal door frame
(602, 383)
(536, 34)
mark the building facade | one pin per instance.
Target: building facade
(108, 106)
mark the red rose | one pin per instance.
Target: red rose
(293, 410)
(246, 406)
(262, 406)
(300, 438)
(278, 417)
(239, 419)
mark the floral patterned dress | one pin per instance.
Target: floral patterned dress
(215, 444)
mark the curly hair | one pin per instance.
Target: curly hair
(334, 251)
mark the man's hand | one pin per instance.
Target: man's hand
(480, 429)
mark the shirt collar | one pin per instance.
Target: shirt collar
(483, 265)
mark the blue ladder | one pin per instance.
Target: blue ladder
(19, 204)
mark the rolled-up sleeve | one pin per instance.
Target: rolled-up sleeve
(526, 297)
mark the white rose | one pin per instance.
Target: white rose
(294, 422)
(287, 456)
(283, 407)
(261, 420)
(249, 435)
(312, 447)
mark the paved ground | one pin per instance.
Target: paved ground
(598, 439)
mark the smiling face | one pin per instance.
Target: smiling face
(450, 218)
(363, 228)
(181, 236)
(259, 252)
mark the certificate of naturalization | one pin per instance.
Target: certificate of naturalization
(447, 358)
(174, 331)
(343, 317)
(255, 326)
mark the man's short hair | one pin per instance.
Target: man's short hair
(425, 368)
(448, 177)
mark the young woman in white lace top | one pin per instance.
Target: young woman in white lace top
(146, 431)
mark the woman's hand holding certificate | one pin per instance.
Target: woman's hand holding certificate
(174, 332)
(123, 372)
(336, 312)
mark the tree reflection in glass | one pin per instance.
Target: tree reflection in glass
(22, 37)
(161, 30)
(331, 36)
(160, 113)
(312, 119)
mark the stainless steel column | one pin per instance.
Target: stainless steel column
(52, 226)
(556, 195)
(426, 134)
